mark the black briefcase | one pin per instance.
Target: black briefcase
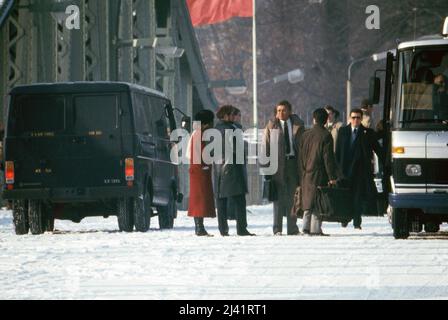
(269, 190)
(334, 204)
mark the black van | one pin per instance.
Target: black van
(76, 150)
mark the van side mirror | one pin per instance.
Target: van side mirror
(374, 90)
(169, 114)
(186, 123)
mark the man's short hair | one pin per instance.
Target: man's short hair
(205, 117)
(284, 103)
(359, 111)
(329, 108)
(320, 116)
(236, 111)
(223, 111)
(365, 103)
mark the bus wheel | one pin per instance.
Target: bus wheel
(400, 223)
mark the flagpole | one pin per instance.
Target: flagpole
(254, 61)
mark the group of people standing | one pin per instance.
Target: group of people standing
(224, 182)
(324, 155)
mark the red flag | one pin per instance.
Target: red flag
(214, 11)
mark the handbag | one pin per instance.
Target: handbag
(334, 203)
(269, 190)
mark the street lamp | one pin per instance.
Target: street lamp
(382, 55)
(293, 76)
(236, 87)
(236, 90)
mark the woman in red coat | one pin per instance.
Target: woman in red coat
(201, 203)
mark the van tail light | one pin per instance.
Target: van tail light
(129, 169)
(9, 172)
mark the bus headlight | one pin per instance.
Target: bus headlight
(414, 170)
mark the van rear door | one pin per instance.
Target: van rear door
(96, 144)
(36, 134)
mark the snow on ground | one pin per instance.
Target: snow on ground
(92, 260)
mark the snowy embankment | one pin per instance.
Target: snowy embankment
(92, 260)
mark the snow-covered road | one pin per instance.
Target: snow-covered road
(92, 260)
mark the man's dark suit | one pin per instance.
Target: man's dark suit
(355, 161)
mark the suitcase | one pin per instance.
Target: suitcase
(334, 204)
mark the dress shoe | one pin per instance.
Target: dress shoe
(225, 234)
(344, 224)
(246, 233)
(320, 234)
(358, 228)
(306, 232)
(297, 233)
(278, 234)
(203, 233)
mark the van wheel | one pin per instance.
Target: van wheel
(400, 223)
(125, 215)
(432, 227)
(167, 214)
(142, 212)
(20, 217)
(36, 217)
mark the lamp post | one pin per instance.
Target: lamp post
(349, 83)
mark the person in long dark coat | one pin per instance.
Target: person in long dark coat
(231, 184)
(354, 152)
(236, 120)
(201, 203)
(287, 178)
(318, 167)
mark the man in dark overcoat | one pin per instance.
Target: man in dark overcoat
(290, 129)
(318, 167)
(230, 180)
(354, 154)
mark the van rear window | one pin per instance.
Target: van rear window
(38, 114)
(96, 113)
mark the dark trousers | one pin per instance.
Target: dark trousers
(238, 206)
(360, 207)
(286, 188)
(280, 210)
(363, 200)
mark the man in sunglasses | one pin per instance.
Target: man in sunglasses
(354, 151)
